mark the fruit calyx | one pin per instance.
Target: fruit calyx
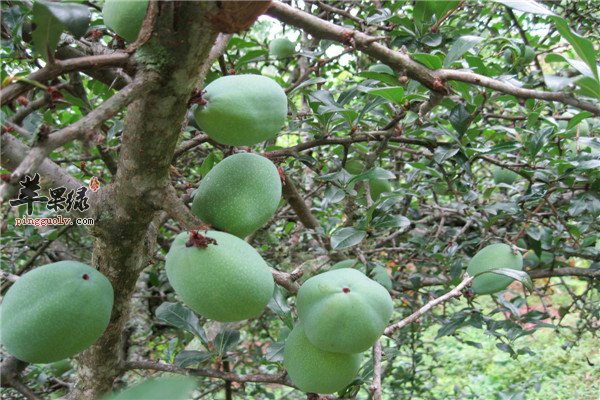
(199, 240)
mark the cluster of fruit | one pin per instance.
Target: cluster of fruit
(341, 313)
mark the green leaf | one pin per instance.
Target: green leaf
(520, 276)
(580, 66)
(312, 81)
(226, 340)
(460, 118)
(188, 358)
(530, 6)
(275, 352)
(385, 78)
(390, 221)
(179, 316)
(375, 173)
(347, 237)
(588, 87)
(460, 47)
(583, 47)
(442, 153)
(51, 19)
(578, 118)
(428, 60)
(395, 94)
(381, 276)
(207, 164)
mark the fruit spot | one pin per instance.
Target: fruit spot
(346, 290)
(85, 277)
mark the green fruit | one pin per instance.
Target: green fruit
(343, 311)
(378, 187)
(381, 68)
(242, 110)
(55, 311)
(226, 281)
(528, 54)
(281, 48)
(172, 388)
(125, 17)
(503, 175)
(494, 256)
(239, 195)
(354, 166)
(314, 370)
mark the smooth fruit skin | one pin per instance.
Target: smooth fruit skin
(282, 48)
(239, 195)
(343, 311)
(55, 311)
(242, 110)
(125, 17)
(503, 175)
(354, 166)
(379, 186)
(314, 370)
(381, 68)
(227, 281)
(494, 256)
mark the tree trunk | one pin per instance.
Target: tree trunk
(170, 60)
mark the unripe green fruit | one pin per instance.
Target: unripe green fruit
(343, 311)
(354, 166)
(494, 256)
(226, 281)
(528, 54)
(503, 175)
(242, 110)
(125, 17)
(239, 195)
(379, 186)
(171, 387)
(381, 68)
(314, 370)
(55, 311)
(281, 48)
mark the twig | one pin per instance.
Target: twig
(456, 292)
(376, 384)
(178, 211)
(445, 16)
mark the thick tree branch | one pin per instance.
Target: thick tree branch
(56, 139)
(434, 80)
(51, 71)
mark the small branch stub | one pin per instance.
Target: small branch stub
(199, 240)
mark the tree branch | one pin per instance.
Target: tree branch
(456, 292)
(91, 121)
(51, 71)
(434, 80)
(209, 373)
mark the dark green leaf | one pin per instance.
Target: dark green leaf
(381, 276)
(460, 118)
(226, 340)
(520, 276)
(395, 94)
(583, 47)
(347, 237)
(179, 316)
(188, 358)
(460, 47)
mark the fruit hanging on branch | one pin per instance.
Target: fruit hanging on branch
(239, 195)
(491, 257)
(343, 310)
(282, 48)
(125, 17)
(503, 175)
(242, 110)
(314, 370)
(55, 311)
(222, 278)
